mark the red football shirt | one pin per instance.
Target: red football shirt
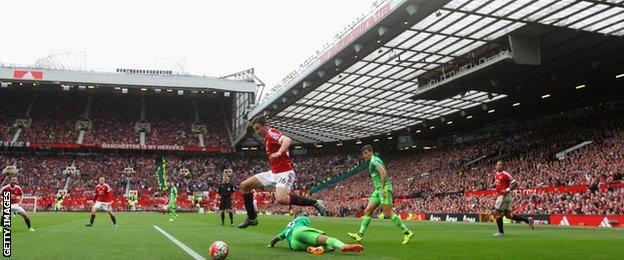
(16, 191)
(272, 140)
(103, 193)
(502, 181)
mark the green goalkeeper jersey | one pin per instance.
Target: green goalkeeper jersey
(173, 195)
(301, 221)
(372, 168)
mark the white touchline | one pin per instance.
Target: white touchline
(187, 249)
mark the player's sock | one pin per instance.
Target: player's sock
(251, 210)
(499, 223)
(222, 217)
(335, 243)
(300, 201)
(365, 222)
(397, 221)
(231, 217)
(114, 220)
(518, 218)
(27, 220)
(92, 219)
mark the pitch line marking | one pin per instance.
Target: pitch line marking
(187, 249)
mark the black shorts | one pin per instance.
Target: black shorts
(225, 204)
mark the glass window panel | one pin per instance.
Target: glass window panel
(446, 22)
(401, 38)
(416, 39)
(530, 9)
(489, 8)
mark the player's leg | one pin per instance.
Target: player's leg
(373, 203)
(517, 218)
(231, 215)
(222, 215)
(172, 211)
(499, 212)
(260, 180)
(305, 238)
(112, 216)
(22, 212)
(284, 182)
(503, 208)
(387, 211)
(336, 243)
(93, 210)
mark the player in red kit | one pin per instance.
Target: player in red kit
(16, 197)
(281, 176)
(504, 184)
(103, 199)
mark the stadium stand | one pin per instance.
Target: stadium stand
(54, 115)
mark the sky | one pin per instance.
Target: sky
(214, 38)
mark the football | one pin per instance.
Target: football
(218, 250)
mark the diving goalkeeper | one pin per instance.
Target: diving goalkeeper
(301, 236)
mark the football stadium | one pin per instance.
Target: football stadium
(425, 129)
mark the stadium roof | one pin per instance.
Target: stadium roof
(129, 78)
(364, 84)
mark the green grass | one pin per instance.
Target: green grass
(64, 236)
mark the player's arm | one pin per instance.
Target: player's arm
(278, 238)
(512, 186)
(383, 175)
(18, 195)
(284, 142)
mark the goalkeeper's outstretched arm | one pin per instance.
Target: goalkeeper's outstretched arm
(277, 238)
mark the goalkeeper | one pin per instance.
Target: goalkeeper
(173, 200)
(301, 236)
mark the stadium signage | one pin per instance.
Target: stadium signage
(14, 144)
(122, 147)
(143, 147)
(358, 30)
(27, 74)
(453, 217)
(583, 220)
(6, 223)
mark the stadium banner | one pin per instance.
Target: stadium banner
(559, 189)
(37, 145)
(453, 217)
(27, 74)
(606, 186)
(583, 220)
(14, 144)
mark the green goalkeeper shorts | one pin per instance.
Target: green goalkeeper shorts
(377, 199)
(304, 237)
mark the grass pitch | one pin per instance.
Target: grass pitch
(64, 236)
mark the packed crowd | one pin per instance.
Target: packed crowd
(53, 118)
(113, 120)
(45, 171)
(171, 120)
(429, 181)
(12, 107)
(435, 181)
(54, 114)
